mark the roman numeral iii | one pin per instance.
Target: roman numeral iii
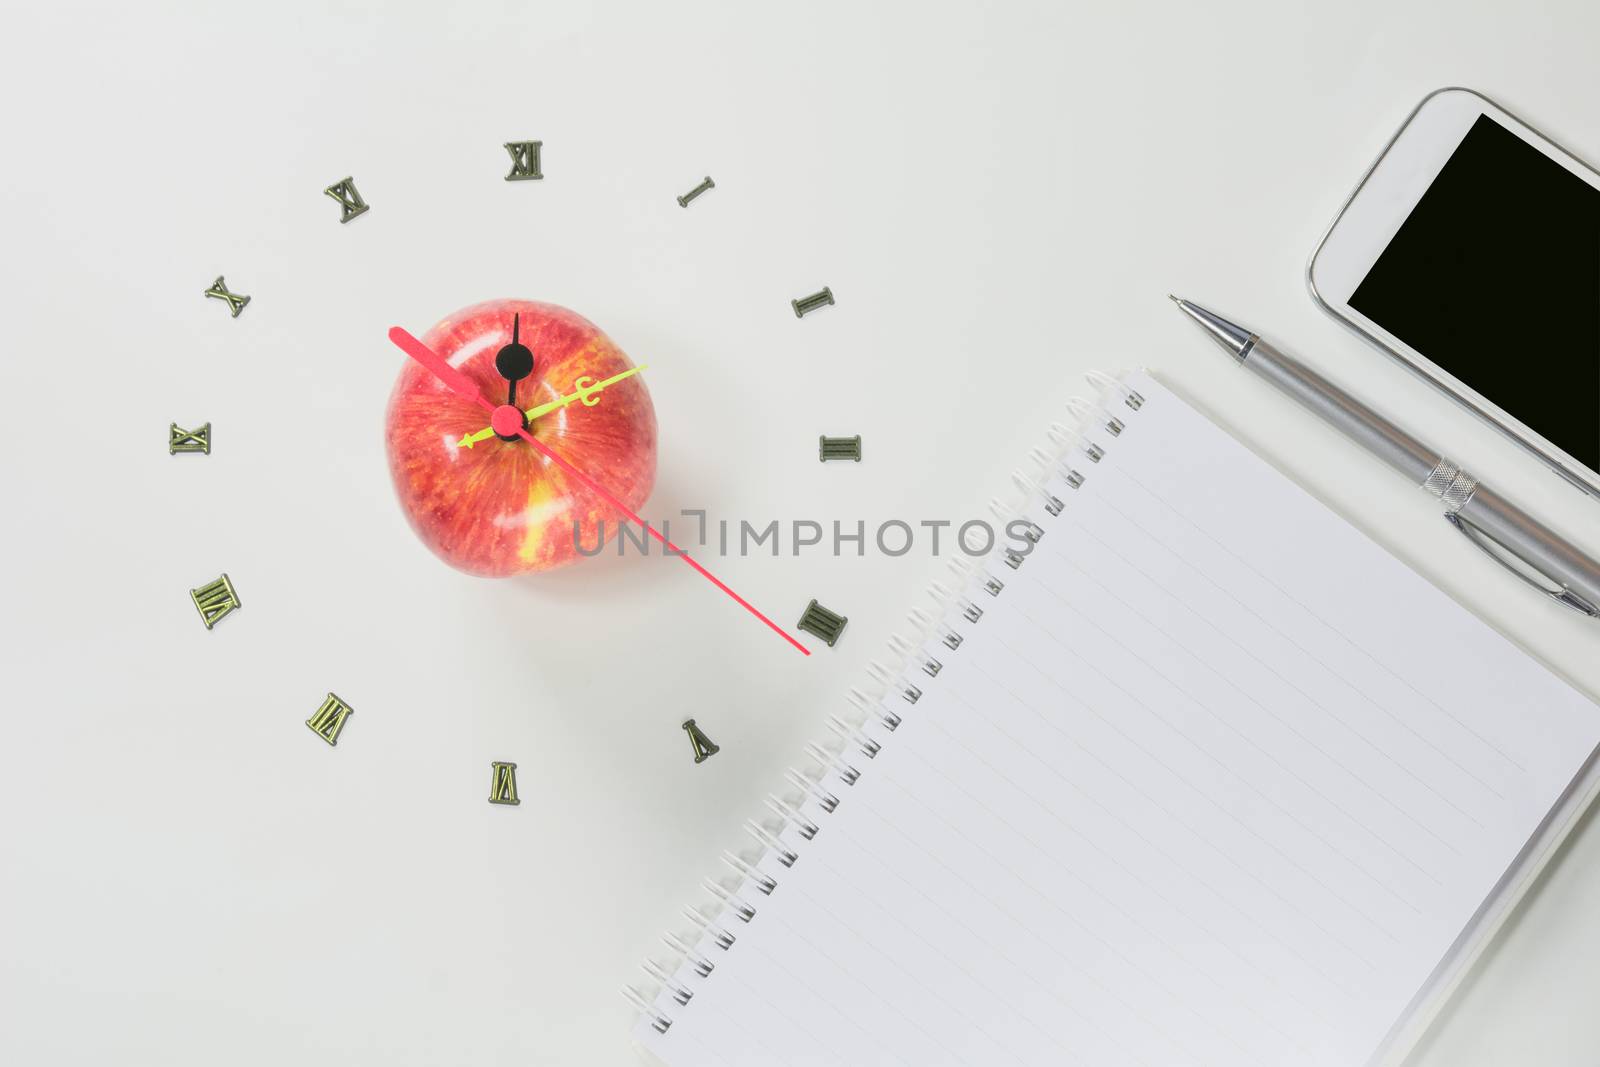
(524, 161)
(350, 202)
(823, 623)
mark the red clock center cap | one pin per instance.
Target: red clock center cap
(506, 420)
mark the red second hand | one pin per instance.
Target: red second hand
(463, 386)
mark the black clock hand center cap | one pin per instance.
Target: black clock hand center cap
(514, 362)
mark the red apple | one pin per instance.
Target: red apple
(499, 507)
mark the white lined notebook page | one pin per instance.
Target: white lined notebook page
(1214, 780)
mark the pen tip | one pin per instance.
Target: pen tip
(1174, 299)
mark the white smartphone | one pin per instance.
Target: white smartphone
(1470, 252)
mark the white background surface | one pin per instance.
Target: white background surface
(999, 196)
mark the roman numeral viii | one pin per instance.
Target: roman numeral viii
(329, 719)
(503, 784)
(215, 601)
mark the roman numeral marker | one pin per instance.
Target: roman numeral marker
(835, 448)
(683, 201)
(181, 440)
(704, 747)
(350, 202)
(329, 719)
(219, 291)
(821, 298)
(503, 784)
(524, 161)
(215, 601)
(823, 623)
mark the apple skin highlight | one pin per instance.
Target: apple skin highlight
(500, 508)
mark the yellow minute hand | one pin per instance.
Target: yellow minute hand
(584, 389)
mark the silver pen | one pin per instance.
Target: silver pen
(1509, 535)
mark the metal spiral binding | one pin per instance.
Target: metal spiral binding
(781, 808)
(1053, 505)
(660, 1022)
(1107, 383)
(867, 706)
(743, 911)
(764, 882)
(831, 759)
(851, 735)
(719, 937)
(1062, 435)
(786, 855)
(942, 593)
(825, 800)
(1093, 412)
(702, 966)
(871, 704)
(925, 622)
(680, 992)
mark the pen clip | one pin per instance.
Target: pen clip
(1499, 553)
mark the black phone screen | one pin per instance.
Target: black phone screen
(1495, 277)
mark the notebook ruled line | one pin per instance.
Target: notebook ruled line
(1319, 793)
(1341, 942)
(772, 961)
(1256, 790)
(1289, 683)
(954, 1009)
(957, 920)
(1279, 631)
(1335, 631)
(1200, 837)
(1026, 928)
(1055, 906)
(1221, 941)
(1042, 849)
(971, 975)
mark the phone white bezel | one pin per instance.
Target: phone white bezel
(1373, 214)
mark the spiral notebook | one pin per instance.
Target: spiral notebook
(1197, 774)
